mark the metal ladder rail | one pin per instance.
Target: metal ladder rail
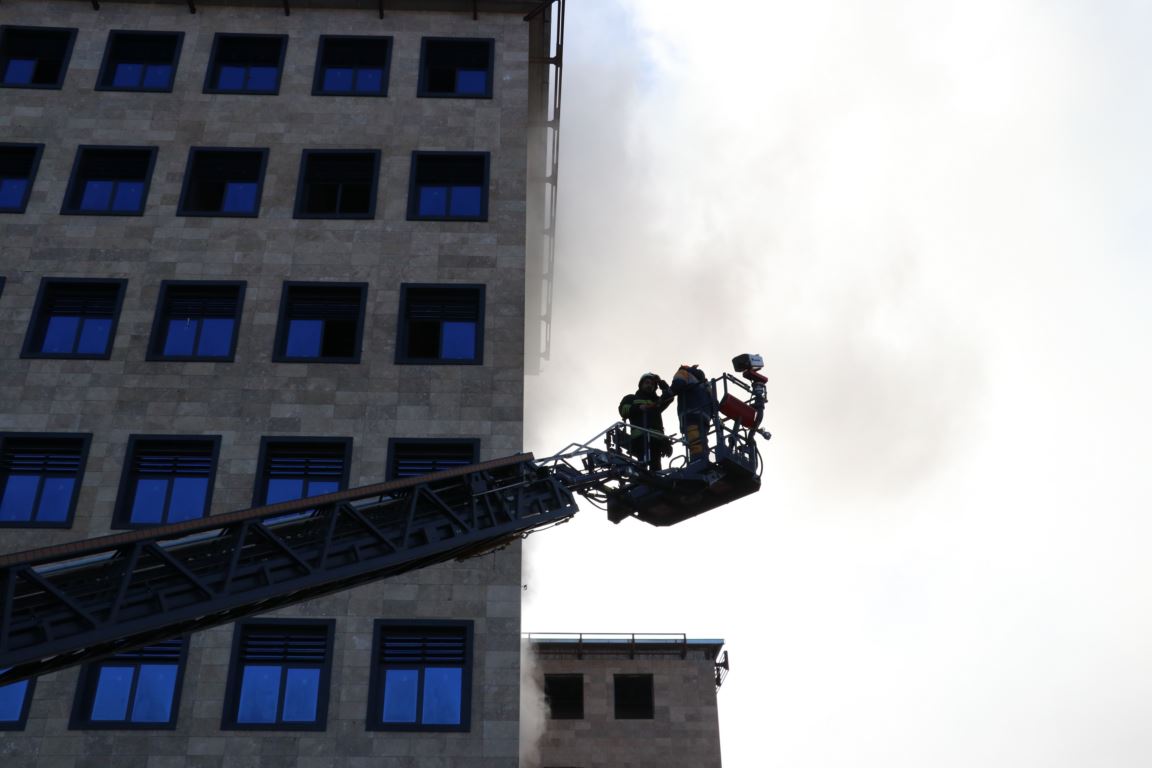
(64, 605)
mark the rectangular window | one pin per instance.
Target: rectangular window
(137, 689)
(223, 182)
(416, 457)
(449, 186)
(422, 676)
(166, 480)
(15, 700)
(34, 57)
(280, 675)
(74, 318)
(196, 321)
(565, 696)
(140, 61)
(321, 322)
(456, 67)
(246, 64)
(18, 165)
(110, 181)
(634, 699)
(337, 184)
(441, 324)
(296, 468)
(352, 66)
(40, 478)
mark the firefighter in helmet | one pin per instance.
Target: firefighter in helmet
(643, 411)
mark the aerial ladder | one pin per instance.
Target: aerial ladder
(84, 600)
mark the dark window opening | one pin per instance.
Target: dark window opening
(352, 66)
(416, 457)
(15, 700)
(166, 480)
(34, 57)
(634, 700)
(321, 323)
(441, 324)
(565, 696)
(246, 64)
(449, 186)
(18, 165)
(422, 677)
(280, 676)
(74, 319)
(337, 184)
(460, 68)
(110, 180)
(133, 689)
(223, 182)
(196, 321)
(140, 61)
(40, 479)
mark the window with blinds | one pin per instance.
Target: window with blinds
(166, 480)
(441, 324)
(300, 467)
(422, 676)
(280, 675)
(196, 321)
(416, 457)
(40, 478)
(449, 186)
(134, 689)
(74, 318)
(321, 322)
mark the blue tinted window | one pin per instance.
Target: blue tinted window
(369, 80)
(230, 78)
(20, 71)
(127, 75)
(55, 499)
(301, 689)
(189, 497)
(471, 81)
(466, 201)
(284, 489)
(216, 337)
(97, 195)
(129, 196)
(148, 504)
(60, 334)
(239, 197)
(19, 498)
(259, 694)
(400, 688)
(113, 687)
(442, 691)
(12, 701)
(458, 340)
(280, 676)
(262, 78)
(155, 690)
(339, 79)
(180, 337)
(304, 337)
(94, 335)
(168, 480)
(433, 200)
(196, 320)
(321, 487)
(157, 75)
(12, 193)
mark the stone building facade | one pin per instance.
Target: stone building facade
(624, 701)
(253, 251)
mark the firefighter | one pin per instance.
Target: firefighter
(642, 410)
(696, 406)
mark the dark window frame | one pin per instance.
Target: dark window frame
(322, 49)
(126, 497)
(402, 326)
(229, 721)
(423, 85)
(631, 710)
(414, 185)
(159, 334)
(85, 442)
(375, 715)
(87, 686)
(37, 325)
(37, 153)
(561, 705)
(190, 178)
(396, 444)
(303, 183)
(280, 351)
(74, 193)
(21, 722)
(106, 76)
(263, 469)
(214, 63)
(65, 59)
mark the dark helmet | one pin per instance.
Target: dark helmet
(655, 378)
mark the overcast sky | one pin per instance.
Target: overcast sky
(932, 219)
